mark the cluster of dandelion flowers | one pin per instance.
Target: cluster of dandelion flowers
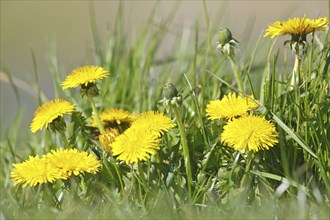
(249, 133)
(114, 116)
(35, 171)
(59, 164)
(48, 112)
(298, 28)
(153, 121)
(135, 144)
(83, 76)
(72, 161)
(230, 106)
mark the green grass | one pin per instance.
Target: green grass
(291, 180)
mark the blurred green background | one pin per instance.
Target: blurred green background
(65, 27)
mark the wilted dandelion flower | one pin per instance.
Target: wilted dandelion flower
(153, 121)
(83, 76)
(135, 144)
(106, 139)
(35, 171)
(72, 161)
(298, 28)
(114, 116)
(48, 112)
(229, 107)
(251, 132)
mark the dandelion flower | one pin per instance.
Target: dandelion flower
(84, 76)
(296, 27)
(153, 121)
(72, 161)
(107, 138)
(48, 112)
(135, 144)
(252, 133)
(111, 116)
(35, 171)
(229, 107)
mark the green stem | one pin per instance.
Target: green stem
(119, 177)
(231, 182)
(296, 69)
(185, 150)
(237, 75)
(66, 143)
(208, 156)
(141, 174)
(247, 168)
(97, 115)
(296, 72)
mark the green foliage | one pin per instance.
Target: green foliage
(291, 180)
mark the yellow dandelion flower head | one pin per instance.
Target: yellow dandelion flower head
(72, 161)
(107, 138)
(111, 116)
(83, 76)
(249, 132)
(229, 107)
(35, 171)
(46, 113)
(153, 121)
(135, 144)
(296, 26)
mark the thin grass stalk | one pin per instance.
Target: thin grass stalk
(195, 57)
(250, 63)
(36, 74)
(209, 37)
(199, 114)
(96, 38)
(265, 75)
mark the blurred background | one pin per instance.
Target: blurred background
(64, 28)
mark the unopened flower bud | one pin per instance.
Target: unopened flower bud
(169, 91)
(224, 36)
(225, 41)
(171, 96)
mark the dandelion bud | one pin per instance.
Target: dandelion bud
(169, 91)
(171, 96)
(226, 42)
(224, 36)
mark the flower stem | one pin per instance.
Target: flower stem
(296, 72)
(247, 168)
(141, 174)
(231, 182)
(66, 143)
(119, 177)
(238, 77)
(185, 150)
(296, 69)
(97, 115)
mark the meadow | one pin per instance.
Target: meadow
(162, 135)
